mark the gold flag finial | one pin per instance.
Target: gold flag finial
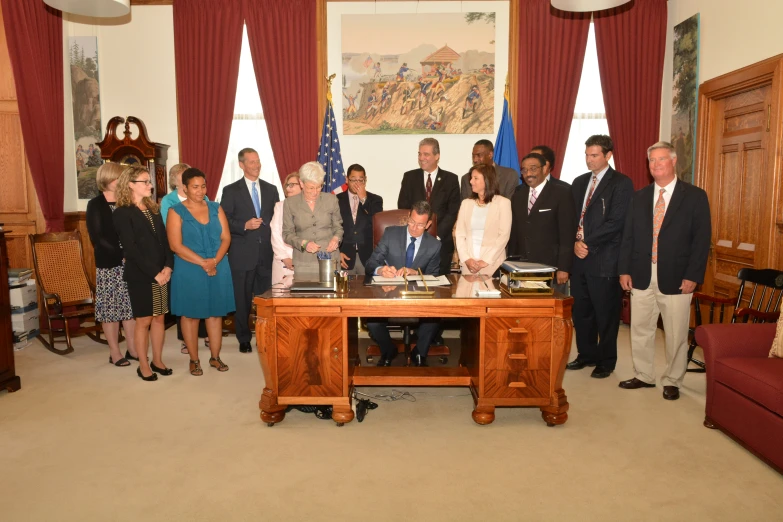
(329, 80)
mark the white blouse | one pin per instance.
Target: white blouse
(477, 224)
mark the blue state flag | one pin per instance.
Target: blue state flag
(506, 145)
(329, 155)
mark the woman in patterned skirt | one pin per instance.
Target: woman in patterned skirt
(148, 265)
(112, 303)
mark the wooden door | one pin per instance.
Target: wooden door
(310, 356)
(738, 165)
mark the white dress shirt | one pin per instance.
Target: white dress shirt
(599, 176)
(434, 175)
(667, 196)
(538, 190)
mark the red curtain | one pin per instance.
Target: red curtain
(281, 34)
(551, 52)
(207, 45)
(631, 42)
(35, 44)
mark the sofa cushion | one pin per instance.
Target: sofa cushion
(759, 379)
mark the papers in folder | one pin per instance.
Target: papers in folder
(399, 280)
(527, 268)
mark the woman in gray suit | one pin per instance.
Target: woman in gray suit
(312, 221)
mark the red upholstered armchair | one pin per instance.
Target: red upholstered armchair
(745, 387)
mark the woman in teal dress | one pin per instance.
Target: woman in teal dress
(201, 285)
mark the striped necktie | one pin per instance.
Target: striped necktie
(531, 201)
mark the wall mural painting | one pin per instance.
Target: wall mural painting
(87, 128)
(418, 73)
(685, 95)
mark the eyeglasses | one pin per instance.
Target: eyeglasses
(290, 185)
(145, 181)
(531, 170)
(420, 226)
(361, 181)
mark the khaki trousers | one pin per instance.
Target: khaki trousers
(675, 311)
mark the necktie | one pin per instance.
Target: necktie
(580, 233)
(660, 210)
(429, 186)
(354, 206)
(409, 253)
(532, 201)
(256, 201)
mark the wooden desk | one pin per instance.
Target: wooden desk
(514, 350)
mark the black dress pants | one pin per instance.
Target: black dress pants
(247, 284)
(425, 333)
(596, 316)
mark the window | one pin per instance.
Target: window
(589, 114)
(248, 128)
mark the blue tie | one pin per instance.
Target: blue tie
(409, 253)
(256, 201)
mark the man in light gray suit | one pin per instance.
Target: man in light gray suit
(403, 250)
(508, 179)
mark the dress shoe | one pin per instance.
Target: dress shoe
(418, 361)
(245, 347)
(153, 377)
(578, 364)
(129, 356)
(383, 362)
(601, 373)
(671, 393)
(162, 371)
(633, 384)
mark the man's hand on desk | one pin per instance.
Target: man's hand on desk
(406, 271)
(387, 271)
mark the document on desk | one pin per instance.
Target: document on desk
(399, 280)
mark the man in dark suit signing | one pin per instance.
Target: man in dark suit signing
(663, 256)
(357, 207)
(542, 220)
(249, 204)
(405, 250)
(483, 154)
(601, 199)
(437, 187)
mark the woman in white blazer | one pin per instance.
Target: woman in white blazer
(483, 224)
(283, 264)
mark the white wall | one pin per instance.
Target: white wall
(387, 157)
(137, 78)
(734, 34)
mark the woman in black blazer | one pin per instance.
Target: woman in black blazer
(148, 265)
(112, 302)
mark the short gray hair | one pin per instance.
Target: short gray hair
(433, 143)
(662, 145)
(421, 208)
(174, 173)
(312, 172)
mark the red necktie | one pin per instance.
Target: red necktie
(429, 186)
(580, 233)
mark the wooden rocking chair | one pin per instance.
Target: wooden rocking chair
(68, 295)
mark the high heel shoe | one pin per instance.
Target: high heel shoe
(162, 371)
(129, 356)
(152, 377)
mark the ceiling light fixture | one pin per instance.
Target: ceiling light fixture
(585, 6)
(94, 8)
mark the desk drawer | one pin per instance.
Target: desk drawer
(517, 356)
(515, 330)
(502, 384)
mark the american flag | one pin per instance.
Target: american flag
(329, 155)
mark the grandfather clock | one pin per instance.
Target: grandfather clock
(139, 151)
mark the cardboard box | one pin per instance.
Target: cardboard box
(22, 323)
(23, 296)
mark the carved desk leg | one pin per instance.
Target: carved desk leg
(556, 413)
(342, 414)
(483, 413)
(271, 411)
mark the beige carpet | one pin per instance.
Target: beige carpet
(85, 441)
